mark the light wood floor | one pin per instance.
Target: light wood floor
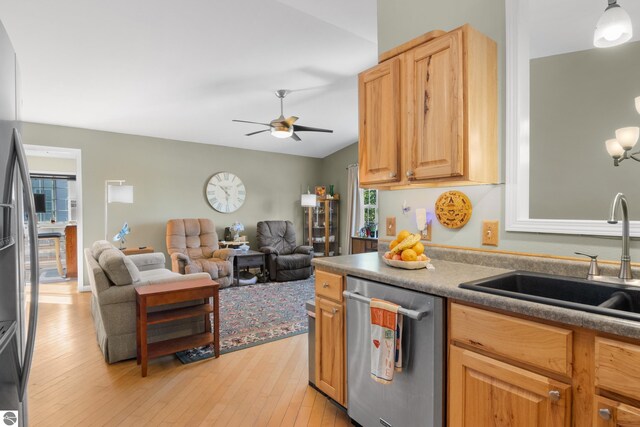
(71, 384)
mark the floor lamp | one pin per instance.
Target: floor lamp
(309, 201)
(115, 192)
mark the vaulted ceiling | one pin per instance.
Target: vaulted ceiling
(184, 69)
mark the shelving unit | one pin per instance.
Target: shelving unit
(322, 226)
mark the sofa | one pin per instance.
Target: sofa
(193, 247)
(113, 278)
(285, 259)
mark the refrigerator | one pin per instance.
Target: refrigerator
(18, 250)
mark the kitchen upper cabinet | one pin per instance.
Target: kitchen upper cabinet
(438, 119)
(379, 105)
(487, 392)
(435, 130)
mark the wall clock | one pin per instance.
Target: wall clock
(225, 192)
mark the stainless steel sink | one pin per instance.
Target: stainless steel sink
(615, 300)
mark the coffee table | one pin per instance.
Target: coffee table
(170, 293)
(249, 259)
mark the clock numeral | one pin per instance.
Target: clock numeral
(242, 192)
(218, 178)
(226, 176)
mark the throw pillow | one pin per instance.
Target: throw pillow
(119, 268)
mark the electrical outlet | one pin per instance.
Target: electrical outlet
(490, 233)
(426, 233)
(391, 226)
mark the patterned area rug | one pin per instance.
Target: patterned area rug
(257, 314)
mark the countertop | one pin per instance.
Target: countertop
(444, 281)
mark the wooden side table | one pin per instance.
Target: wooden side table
(137, 251)
(170, 293)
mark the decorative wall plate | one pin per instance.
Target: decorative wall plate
(453, 209)
(225, 192)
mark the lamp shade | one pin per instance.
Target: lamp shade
(638, 104)
(308, 200)
(614, 148)
(120, 193)
(613, 28)
(628, 137)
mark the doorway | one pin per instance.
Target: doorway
(56, 177)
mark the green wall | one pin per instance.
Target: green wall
(333, 170)
(169, 180)
(398, 22)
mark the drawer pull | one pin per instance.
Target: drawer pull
(554, 395)
(392, 175)
(604, 413)
(325, 285)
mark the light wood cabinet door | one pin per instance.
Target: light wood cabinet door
(435, 109)
(330, 351)
(379, 106)
(609, 413)
(487, 392)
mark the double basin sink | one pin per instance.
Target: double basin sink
(617, 300)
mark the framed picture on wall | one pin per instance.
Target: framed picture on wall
(321, 190)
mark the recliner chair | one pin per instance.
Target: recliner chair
(193, 247)
(285, 259)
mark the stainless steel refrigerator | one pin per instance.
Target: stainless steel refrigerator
(18, 250)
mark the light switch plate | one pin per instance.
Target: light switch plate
(490, 233)
(391, 226)
(426, 233)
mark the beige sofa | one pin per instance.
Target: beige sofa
(113, 278)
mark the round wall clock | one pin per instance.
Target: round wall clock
(453, 209)
(225, 192)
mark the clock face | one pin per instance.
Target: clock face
(225, 192)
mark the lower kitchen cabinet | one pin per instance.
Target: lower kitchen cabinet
(609, 413)
(330, 357)
(487, 392)
(330, 351)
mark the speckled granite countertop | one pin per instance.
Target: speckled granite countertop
(448, 275)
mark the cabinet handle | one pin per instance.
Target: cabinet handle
(392, 174)
(409, 173)
(325, 285)
(334, 311)
(554, 395)
(604, 413)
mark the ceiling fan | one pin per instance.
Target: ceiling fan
(281, 127)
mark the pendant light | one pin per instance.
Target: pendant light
(614, 27)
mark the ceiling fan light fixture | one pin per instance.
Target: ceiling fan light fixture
(614, 27)
(280, 131)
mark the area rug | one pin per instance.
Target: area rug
(257, 314)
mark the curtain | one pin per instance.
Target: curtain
(354, 215)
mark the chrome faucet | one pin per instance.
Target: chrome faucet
(625, 259)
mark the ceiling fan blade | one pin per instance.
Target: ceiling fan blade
(295, 137)
(291, 120)
(298, 128)
(255, 123)
(260, 131)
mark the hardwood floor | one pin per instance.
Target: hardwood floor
(71, 384)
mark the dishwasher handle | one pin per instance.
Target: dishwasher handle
(412, 314)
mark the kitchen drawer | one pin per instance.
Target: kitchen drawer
(618, 367)
(329, 285)
(536, 344)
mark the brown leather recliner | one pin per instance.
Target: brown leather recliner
(193, 247)
(285, 259)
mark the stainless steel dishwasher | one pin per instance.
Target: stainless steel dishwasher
(415, 396)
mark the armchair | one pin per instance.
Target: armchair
(193, 247)
(285, 259)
